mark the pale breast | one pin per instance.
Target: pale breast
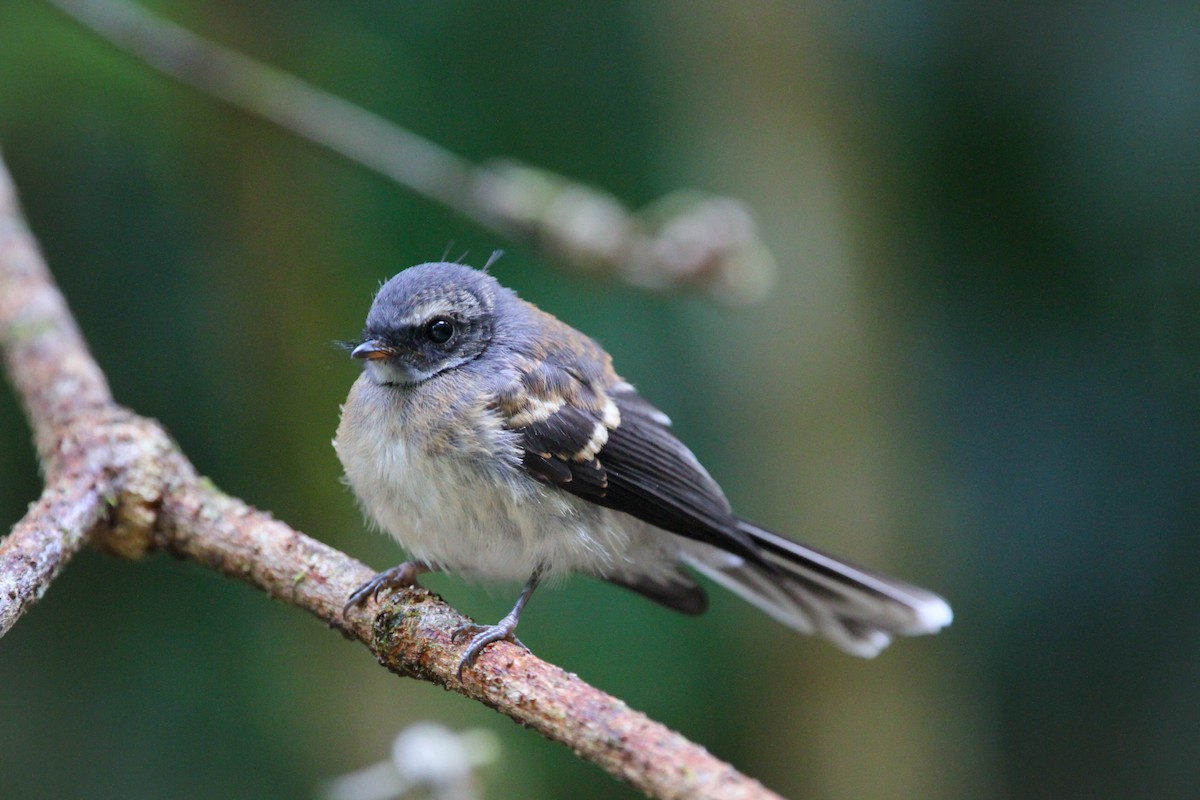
(442, 479)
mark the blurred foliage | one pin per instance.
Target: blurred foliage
(979, 371)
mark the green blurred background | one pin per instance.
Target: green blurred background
(978, 370)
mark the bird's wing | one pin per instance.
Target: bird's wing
(585, 431)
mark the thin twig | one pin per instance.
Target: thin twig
(687, 239)
(117, 479)
(40, 545)
(287, 101)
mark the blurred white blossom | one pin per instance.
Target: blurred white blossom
(428, 760)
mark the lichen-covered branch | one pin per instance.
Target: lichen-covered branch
(44, 354)
(411, 634)
(40, 545)
(117, 480)
(688, 239)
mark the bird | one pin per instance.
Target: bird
(492, 440)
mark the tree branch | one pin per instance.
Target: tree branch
(40, 545)
(47, 361)
(687, 239)
(117, 480)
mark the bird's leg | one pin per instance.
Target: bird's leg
(502, 630)
(400, 576)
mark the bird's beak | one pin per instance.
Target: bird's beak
(372, 350)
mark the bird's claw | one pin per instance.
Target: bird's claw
(484, 635)
(401, 576)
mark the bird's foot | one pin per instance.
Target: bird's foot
(484, 635)
(401, 576)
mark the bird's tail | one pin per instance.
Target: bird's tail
(857, 609)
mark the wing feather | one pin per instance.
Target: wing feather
(592, 435)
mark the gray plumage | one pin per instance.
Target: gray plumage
(491, 439)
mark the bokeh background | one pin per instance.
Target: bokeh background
(978, 370)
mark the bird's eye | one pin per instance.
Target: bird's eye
(439, 330)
